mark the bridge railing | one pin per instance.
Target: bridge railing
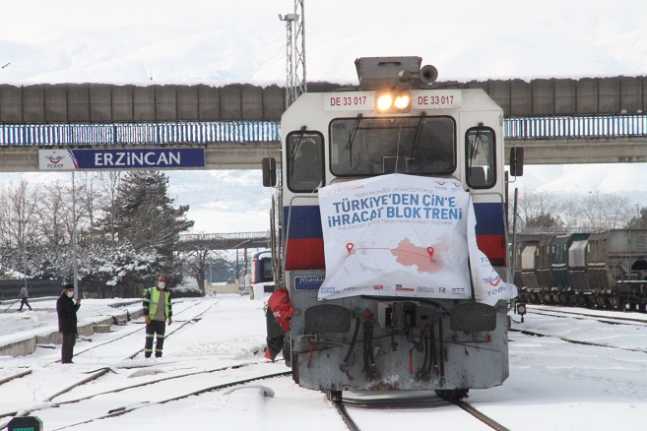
(576, 127)
(215, 132)
(189, 237)
(138, 133)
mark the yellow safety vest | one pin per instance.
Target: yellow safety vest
(154, 295)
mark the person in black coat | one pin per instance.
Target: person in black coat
(66, 309)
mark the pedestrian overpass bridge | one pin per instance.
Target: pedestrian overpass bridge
(223, 241)
(242, 144)
(590, 120)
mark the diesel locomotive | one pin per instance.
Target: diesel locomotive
(395, 121)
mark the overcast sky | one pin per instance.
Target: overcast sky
(215, 42)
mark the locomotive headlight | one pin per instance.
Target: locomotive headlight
(384, 102)
(402, 101)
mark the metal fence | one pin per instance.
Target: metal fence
(224, 236)
(526, 128)
(576, 127)
(45, 135)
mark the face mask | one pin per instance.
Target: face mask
(70, 294)
(161, 285)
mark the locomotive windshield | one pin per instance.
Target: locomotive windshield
(266, 269)
(374, 146)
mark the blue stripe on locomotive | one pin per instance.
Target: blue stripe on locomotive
(305, 221)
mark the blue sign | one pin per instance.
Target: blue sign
(145, 158)
(312, 282)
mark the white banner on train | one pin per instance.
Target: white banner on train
(403, 236)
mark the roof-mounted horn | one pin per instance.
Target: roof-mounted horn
(386, 72)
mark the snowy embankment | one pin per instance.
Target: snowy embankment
(553, 384)
(40, 326)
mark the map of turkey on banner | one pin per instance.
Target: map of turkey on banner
(399, 235)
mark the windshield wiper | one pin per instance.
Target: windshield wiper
(474, 149)
(423, 115)
(417, 133)
(294, 149)
(351, 138)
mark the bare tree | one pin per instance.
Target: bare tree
(110, 186)
(597, 211)
(91, 200)
(544, 223)
(18, 222)
(197, 262)
(54, 235)
(533, 206)
(592, 211)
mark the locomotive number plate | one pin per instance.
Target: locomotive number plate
(436, 99)
(349, 101)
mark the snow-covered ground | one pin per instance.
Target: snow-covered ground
(553, 384)
(42, 319)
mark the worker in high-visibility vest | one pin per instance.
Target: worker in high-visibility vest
(157, 311)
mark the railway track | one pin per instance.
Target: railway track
(420, 402)
(93, 347)
(122, 336)
(51, 404)
(340, 407)
(96, 346)
(345, 416)
(49, 401)
(15, 376)
(122, 410)
(574, 341)
(155, 381)
(580, 315)
(469, 408)
(103, 371)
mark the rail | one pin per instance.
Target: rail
(222, 132)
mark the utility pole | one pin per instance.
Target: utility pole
(295, 53)
(75, 263)
(300, 47)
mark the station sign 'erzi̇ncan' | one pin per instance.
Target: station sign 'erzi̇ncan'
(101, 159)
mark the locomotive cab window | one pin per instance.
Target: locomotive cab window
(410, 145)
(480, 157)
(266, 270)
(305, 160)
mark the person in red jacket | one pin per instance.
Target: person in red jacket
(278, 315)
